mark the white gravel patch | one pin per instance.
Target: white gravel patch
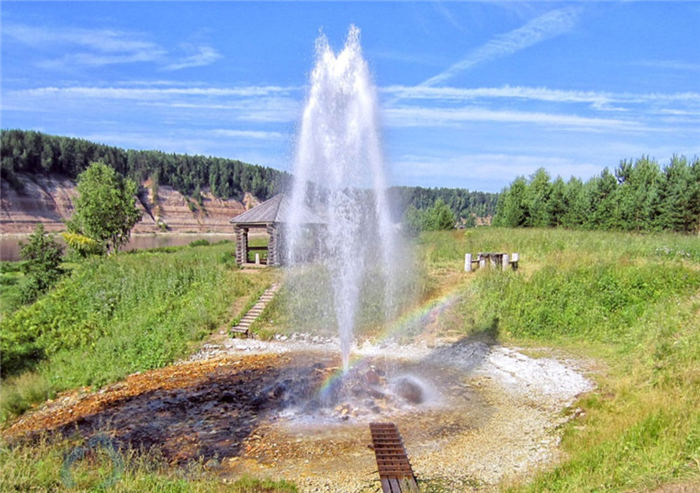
(545, 380)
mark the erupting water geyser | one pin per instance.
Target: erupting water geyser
(339, 172)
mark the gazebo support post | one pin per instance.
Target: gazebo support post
(272, 247)
(241, 245)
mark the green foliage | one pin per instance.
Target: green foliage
(42, 264)
(436, 218)
(465, 204)
(35, 152)
(638, 196)
(200, 242)
(121, 314)
(82, 245)
(512, 210)
(104, 208)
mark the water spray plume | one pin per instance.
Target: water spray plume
(339, 172)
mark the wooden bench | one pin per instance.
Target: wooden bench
(395, 471)
(496, 260)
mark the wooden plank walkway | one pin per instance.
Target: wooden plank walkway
(395, 471)
(243, 327)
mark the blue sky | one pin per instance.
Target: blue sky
(472, 93)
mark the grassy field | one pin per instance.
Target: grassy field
(630, 303)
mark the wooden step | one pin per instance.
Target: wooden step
(255, 311)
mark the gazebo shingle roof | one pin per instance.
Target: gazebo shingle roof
(275, 210)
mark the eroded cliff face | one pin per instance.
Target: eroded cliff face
(49, 200)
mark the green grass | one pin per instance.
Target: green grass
(117, 315)
(39, 467)
(629, 301)
(10, 281)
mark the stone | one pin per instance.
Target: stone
(371, 377)
(410, 390)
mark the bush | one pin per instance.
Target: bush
(42, 264)
(200, 242)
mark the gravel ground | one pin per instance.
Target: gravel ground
(475, 415)
(507, 428)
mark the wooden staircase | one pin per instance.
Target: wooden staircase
(243, 327)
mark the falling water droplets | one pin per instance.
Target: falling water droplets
(340, 173)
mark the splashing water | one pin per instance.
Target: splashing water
(339, 172)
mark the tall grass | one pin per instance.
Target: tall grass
(118, 315)
(631, 301)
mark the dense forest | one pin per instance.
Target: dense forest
(638, 195)
(466, 205)
(34, 152)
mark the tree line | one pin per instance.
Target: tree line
(638, 195)
(34, 152)
(38, 153)
(466, 205)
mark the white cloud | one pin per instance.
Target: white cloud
(412, 116)
(243, 103)
(249, 134)
(442, 9)
(103, 40)
(100, 47)
(150, 93)
(507, 92)
(535, 93)
(542, 28)
(203, 55)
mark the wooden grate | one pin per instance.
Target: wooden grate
(395, 472)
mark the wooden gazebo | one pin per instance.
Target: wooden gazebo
(270, 216)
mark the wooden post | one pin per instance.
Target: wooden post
(505, 265)
(272, 247)
(468, 262)
(482, 261)
(241, 245)
(492, 260)
(514, 261)
(257, 259)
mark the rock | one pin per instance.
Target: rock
(410, 390)
(371, 377)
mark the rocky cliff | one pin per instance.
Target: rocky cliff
(49, 200)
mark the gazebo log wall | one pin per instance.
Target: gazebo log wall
(273, 250)
(241, 245)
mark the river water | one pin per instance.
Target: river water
(9, 244)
